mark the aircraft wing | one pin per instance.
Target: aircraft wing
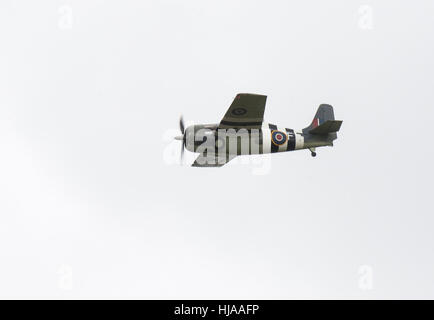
(212, 161)
(246, 111)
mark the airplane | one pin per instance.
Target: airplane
(242, 131)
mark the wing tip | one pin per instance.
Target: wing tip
(249, 94)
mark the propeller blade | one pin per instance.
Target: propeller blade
(181, 124)
(182, 154)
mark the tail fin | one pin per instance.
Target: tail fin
(324, 121)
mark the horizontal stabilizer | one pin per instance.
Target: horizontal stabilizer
(327, 127)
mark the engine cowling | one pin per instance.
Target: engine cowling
(200, 135)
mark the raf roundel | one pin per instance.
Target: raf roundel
(239, 111)
(278, 137)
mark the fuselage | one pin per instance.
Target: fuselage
(269, 138)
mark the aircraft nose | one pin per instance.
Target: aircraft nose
(189, 138)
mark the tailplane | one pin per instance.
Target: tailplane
(324, 121)
(327, 127)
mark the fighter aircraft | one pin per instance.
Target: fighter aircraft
(242, 131)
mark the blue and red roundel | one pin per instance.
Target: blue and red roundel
(278, 137)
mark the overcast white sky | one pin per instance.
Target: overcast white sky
(91, 208)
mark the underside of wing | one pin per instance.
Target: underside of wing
(246, 111)
(212, 160)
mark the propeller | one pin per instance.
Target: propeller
(181, 125)
(182, 137)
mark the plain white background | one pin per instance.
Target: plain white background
(91, 208)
